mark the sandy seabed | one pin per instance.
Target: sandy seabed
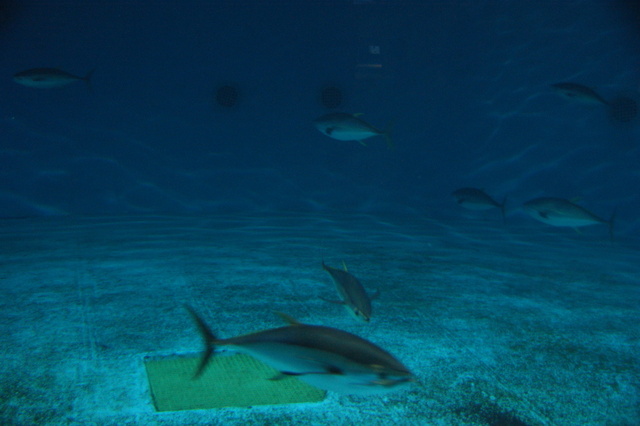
(501, 324)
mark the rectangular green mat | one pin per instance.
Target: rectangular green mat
(236, 380)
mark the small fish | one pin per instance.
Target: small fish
(561, 212)
(477, 199)
(48, 78)
(348, 127)
(580, 93)
(354, 297)
(324, 357)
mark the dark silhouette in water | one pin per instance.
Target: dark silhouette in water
(331, 97)
(7, 11)
(227, 96)
(623, 109)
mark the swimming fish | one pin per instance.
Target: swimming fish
(354, 297)
(579, 92)
(561, 212)
(47, 78)
(348, 127)
(477, 199)
(324, 357)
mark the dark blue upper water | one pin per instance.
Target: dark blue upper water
(466, 86)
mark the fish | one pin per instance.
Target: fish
(324, 357)
(579, 92)
(349, 127)
(48, 78)
(354, 297)
(564, 213)
(477, 199)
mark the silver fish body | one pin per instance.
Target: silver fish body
(477, 199)
(324, 357)
(48, 78)
(349, 127)
(579, 92)
(353, 295)
(560, 212)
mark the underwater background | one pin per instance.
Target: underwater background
(188, 169)
(467, 86)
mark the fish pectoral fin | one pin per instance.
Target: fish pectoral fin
(330, 369)
(284, 375)
(362, 143)
(337, 302)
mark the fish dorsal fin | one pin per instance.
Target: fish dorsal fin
(288, 318)
(344, 265)
(358, 114)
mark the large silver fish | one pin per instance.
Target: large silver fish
(48, 78)
(579, 92)
(560, 212)
(477, 199)
(348, 127)
(324, 357)
(354, 297)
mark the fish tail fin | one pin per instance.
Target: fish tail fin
(387, 135)
(503, 210)
(209, 340)
(87, 78)
(610, 223)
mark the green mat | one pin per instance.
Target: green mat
(229, 381)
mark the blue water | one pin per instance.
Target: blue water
(124, 199)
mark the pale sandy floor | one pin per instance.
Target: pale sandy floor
(502, 325)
